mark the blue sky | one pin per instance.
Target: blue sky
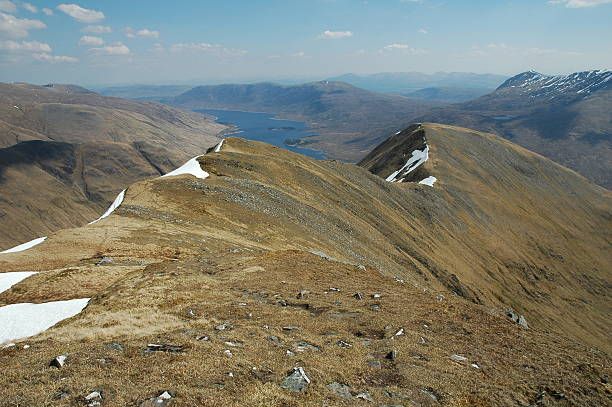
(133, 41)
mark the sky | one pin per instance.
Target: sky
(103, 42)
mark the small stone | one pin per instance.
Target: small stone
(104, 260)
(459, 358)
(228, 353)
(430, 393)
(366, 342)
(241, 304)
(234, 250)
(522, 322)
(273, 339)
(59, 361)
(291, 328)
(115, 346)
(387, 327)
(475, 365)
(191, 313)
(26, 346)
(303, 293)
(202, 338)
(154, 347)
(359, 296)
(376, 295)
(233, 344)
(303, 346)
(297, 381)
(344, 344)
(8, 345)
(361, 267)
(94, 399)
(365, 396)
(61, 395)
(160, 401)
(400, 332)
(340, 389)
(334, 289)
(375, 307)
(290, 353)
(392, 355)
(224, 327)
(375, 364)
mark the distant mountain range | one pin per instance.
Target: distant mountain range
(348, 120)
(66, 152)
(565, 118)
(407, 82)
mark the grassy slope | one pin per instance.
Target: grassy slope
(503, 227)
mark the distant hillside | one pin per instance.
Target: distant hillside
(349, 120)
(274, 279)
(406, 82)
(565, 118)
(65, 153)
(448, 94)
(144, 91)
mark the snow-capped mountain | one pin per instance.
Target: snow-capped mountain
(576, 84)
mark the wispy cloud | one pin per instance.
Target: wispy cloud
(30, 7)
(8, 6)
(404, 48)
(580, 3)
(144, 33)
(91, 41)
(14, 27)
(97, 29)
(422, 31)
(54, 58)
(24, 46)
(334, 35)
(206, 47)
(116, 48)
(47, 11)
(81, 14)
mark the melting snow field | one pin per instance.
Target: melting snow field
(191, 167)
(7, 280)
(22, 320)
(429, 181)
(113, 206)
(418, 158)
(25, 246)
(218, 147)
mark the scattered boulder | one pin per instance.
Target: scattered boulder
(344, 344)
(104, 260)
(291, 328)
(375, 307)
(202, 338)
(93, 399)
(392, 355)
(154, 347)
(224, 327)
(518, 319)
(365, 396)
(297, 381)
(160, 401)
(375, 364)
(340, 389)
(273, 339)
(59, 361)
(302, 294)
(303, 346)
(359, 296)
(115, 346)
(459, 358)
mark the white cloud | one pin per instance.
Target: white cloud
(54, 58)
(580, 3)
(334, 35)
(27, 46)
(404, 48)
(29, 7)
(422, 31)
(90, 41)
(8, 6)
(144, 33)
(82, 14)
(116, 48)
(206, 47)
(47, 11)
(97, 29)
(14, 27)
(300, 54)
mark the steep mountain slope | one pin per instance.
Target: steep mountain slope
(256, 266)
(350, 121)
(565, 118)
(144, 91)
(405, 82)
(78, 149)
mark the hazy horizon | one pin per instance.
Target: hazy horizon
(95, 43)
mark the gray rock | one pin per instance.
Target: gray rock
(160, 401)
(273, 339)
(359, 296)
(375, 364)
(303, 346)
(459, 358)
(93, 399)
(291, 328)
(392, 355)
(104, 260)
(224, 327)
(365, 396)
(340, 389)
(202, 338)
(297, 381)
(375, 307)
(59, 361)
(303, 293)
(154, 347)
(522, 322)
(344, 344)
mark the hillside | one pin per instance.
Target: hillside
(77, 150)
(349, 121)
(275, 279)
(144, 91)
(448, 94)
(564, 118)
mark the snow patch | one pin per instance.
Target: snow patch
(218, 147)
(25, 246)
(7, 280)
(113, 206)
(23, 320)
(191, 167)
(418, 158)
(429, 181)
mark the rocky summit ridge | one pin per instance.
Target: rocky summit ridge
(256, 276)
